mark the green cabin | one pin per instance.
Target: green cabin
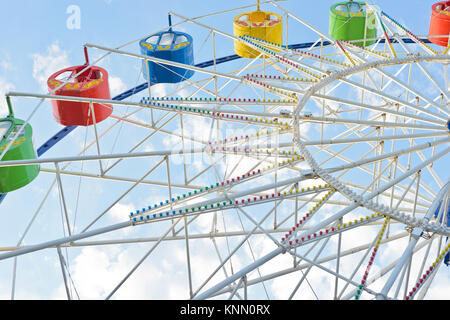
(15, 177)
(352, 20)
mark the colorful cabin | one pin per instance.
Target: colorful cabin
(351, 21)
(259, 24)
(440, 23)
(13, 178)
(91, 83)
(168, 45)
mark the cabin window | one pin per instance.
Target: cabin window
(354, 7)
(166, 39)
(181, 39)
(15, 130)
(4, 127)
(342, 9)
(153, 40)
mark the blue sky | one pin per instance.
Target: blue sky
(35, 40)
(32, 26)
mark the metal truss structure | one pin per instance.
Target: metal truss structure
(320, 168)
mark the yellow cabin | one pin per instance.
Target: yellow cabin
(259, 24)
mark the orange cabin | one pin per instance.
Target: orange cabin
(91, 83)
(440, 23)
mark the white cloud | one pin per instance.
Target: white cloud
(5, 87)
(6, 65)
(44, 65)
(439, 287)
(159, 90)
(120, 212)
(4, 292)
(116, 85)
(91, 270)
(163, 275)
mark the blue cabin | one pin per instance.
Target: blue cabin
(169, 45)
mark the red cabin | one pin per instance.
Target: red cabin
(92, 83)
(440, 23)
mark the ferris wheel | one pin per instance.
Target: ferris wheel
(313, 170)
